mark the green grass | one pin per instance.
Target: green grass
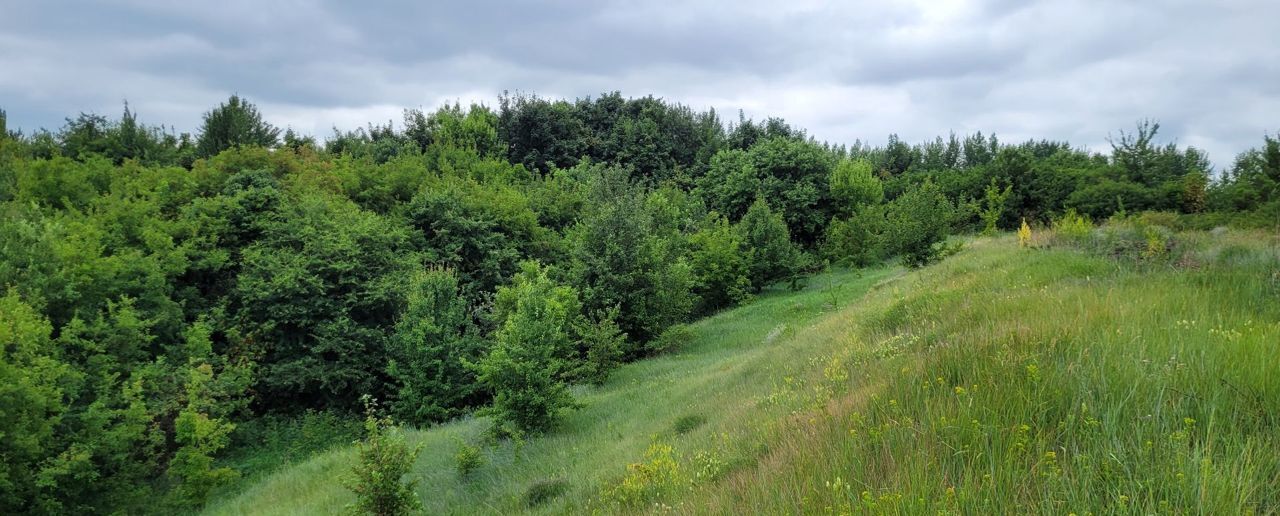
(1001, 380)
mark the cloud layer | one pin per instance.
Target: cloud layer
(1059, 69)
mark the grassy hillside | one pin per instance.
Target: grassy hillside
(1041, 379)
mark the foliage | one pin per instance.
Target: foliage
(1072, 226)
(33, 400)
(481, 230)
(628, 254)
(993, 207)
(657, 476)
(322, 287)
(530, 361)
(1024, 234)
(234, 123)
(427, 354)
(688, 423)
(853, 185)
(544, 491)
(720, 265)
(917, 223)
(468, 459)
(199, 437)
(771, 254)
(857, 240)
(601, 344)
(672, 339)
(168, 317)
(384, 462)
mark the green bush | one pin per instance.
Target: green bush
(433, 340)
(771, 254)
(688, 423)
(601, 343)
(544, 491)
(468, 459)
(719, 265)
(1072, 227)
(853, 184)
(671, 340)
(917, 225)
(384, 460)
(993, 204)
(531, 358)
(857, 240)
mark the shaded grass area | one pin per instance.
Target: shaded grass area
(1001, 380)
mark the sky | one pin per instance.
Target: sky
(1081, 71)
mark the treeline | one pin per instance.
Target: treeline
(164, 292)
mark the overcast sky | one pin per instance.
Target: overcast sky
(1208, 71)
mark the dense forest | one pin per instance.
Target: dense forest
(169, 299)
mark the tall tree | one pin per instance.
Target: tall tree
(433, 340)
(235, 123)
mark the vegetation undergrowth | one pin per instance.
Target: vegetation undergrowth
(1053, 378)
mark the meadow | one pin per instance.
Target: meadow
(1007, 378)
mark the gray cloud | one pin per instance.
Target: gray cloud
(1059, 69)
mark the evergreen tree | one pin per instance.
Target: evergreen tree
(234, 123)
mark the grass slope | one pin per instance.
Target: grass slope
(1001, 380)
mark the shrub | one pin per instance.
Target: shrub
(918, 223)
(670, 340)
(544, 491)
(432, 340)
(384, 460)
(853, 184)
(532, 353)
(1135, 241)
(1072, 227)
(1024, 234)
(1166, 219)
(468, 459)
(688, 422)
(602, 342)
(657, 476)
(993, 206)
(772, 256)
(720, 268)
(856, 240)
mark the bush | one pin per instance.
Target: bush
(918, 223)
(384, 460)
(720, 267)
(658, 476)
(1024, 234)
(532, 353)
(772, 256)
(687, 423)
(856, 240)
(1072, 227)
(544, 491)
(672, 339)
(853, 184)
(602, 343)
(427, 352)
(1136, 242)
(468, 459)
(993, 204)
(1166, 219)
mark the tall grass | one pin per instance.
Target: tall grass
(1049, 381)
(1004, 379)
